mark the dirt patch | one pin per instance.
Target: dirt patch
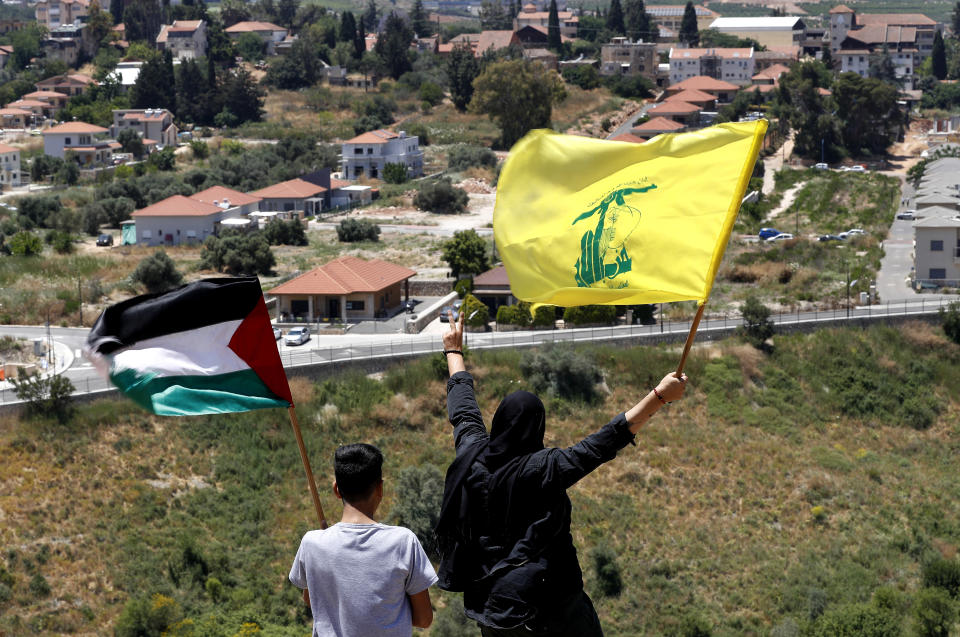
(593, 126)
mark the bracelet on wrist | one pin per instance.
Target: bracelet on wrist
(452, 351)
(659, 396)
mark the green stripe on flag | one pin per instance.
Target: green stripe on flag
(194, 395)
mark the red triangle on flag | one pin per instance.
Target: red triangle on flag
(254, 343)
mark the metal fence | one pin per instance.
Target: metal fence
(712, 326)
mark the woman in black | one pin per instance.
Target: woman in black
(504, 527)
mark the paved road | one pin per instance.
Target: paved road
(437, 231)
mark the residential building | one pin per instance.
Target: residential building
(6, 53)
(269, 33)
(152, 123)
(767, 31)
(87, 141)
(845, 22)
(9, 166)
(69, 43)
(241, 202)
(53, 13)
(770, 75)
(13, 117)
(657, 125)
(185, 39)
(706, 101)
(680, 112)
(55, 99)
(346, 194)
(628, 137)
(937, 228)
(529, 16)
(297, 198)
(723, 90)
(177, 220)
(623, 57)
(480, 42)
(670, 17)
(492, 288)
(784, 56)
(368, 154)
(345, 289)
(730, 65)
(69, 84)
(535, 37)
(39, 110)
(545, 57)
(127, 73)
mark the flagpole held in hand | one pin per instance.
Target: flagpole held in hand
(689, 343)
(306, 466)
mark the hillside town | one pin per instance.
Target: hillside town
(348, 156)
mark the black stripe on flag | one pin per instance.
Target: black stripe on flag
(197, 304)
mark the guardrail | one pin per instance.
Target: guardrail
(418, 345)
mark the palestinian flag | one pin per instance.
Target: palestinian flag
(204, 348)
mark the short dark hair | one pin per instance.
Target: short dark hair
(358, 469)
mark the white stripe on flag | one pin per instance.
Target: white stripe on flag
(198, 352)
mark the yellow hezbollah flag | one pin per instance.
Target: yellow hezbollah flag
(583, 221)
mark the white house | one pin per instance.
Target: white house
(774, 31)
(186, 39)
(735, 66)
(9, 166)
(178, 219)
(222, 196)
(369, 153)
(937, 250)
(530, 17)
(87, 141)
(269, 33)
(152, 123)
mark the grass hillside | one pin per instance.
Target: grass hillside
(808, 491)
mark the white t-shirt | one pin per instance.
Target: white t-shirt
(359, 576)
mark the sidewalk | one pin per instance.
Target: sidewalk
(63, 358)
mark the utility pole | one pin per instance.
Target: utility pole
(80, 296)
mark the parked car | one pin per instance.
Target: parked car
(821, 166)
(105, 240)
(297, 336)
(853, 231)
(783, 236)
(829, 237)
(277, 333)
(859, 168)
(409, 304)
(908, 215)
(766, 233)
(445, 313)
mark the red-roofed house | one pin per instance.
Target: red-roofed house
(770, 75)
(13, 117)
(723, 90)
(348, 288)
(297, 198)
(729, 65)
(152, 123)
(56, 99)
(186, 39)
(9, 166)
(529, 16)
(233, 199)
(87, 141)
(706, 101)
(629, 137)
(42, 110)
(69, 84)
(481, 42)
(680, 112)
(270, 33)
(369, 153)
(180, 219)
(657, 126)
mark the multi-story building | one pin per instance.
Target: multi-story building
(735, 66)
(53, 13)
(9, 166)
(368, 154)
(670, 16)
(623, 57)
(86, 141)
(268, 32)
(767, 31)
(152, 123)
(185, 39)
(937, 228)
(529, 16)
(70, 84)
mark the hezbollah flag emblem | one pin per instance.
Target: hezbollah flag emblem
(586, 221)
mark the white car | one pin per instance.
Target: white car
(277, 333)
(853, 231)
(907, 215)
(858, 169)
(297, 336)
(821, 166)
(783, 236)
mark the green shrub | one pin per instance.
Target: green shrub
(607, 571)
(465, 253)
(514, 315)
(951, 321)
(942, 573)
(143, 617)
(239, 254)
(590, 314)
(629, 85)
(25, 244)
(418, 494)
(562, 372)
(757, 326)
(584, 76)
(430, 93)
(934, 613)
(452, 622)
(857, 620)
(352, 392)
(46, 396)
(39, 586)
(463, 156)
(475, 312)
(545, 316)
(200, 149)
(352, 230)
(442, 197)
(419, 131)
(157, 273)
(287, 233)
(463, 287)
(395, 172)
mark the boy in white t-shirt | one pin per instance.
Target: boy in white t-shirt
(362, 578)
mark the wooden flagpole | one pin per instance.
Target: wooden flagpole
(306, 466)
(689, 343)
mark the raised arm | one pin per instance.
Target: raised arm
(462, 408)
(573, 463)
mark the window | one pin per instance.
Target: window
(355, 305)
(357, 151)
(938, 273)
(936, 245)
(370, 151)
(66, 141)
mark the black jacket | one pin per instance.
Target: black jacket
(511, 552)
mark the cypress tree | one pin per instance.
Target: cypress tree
(939, 57)
(348, 27)
(638, 22)
(955, 19)
(689, 33)
(360, 44)
(615, 18)
(554, 42)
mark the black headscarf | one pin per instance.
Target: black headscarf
(517, 430)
